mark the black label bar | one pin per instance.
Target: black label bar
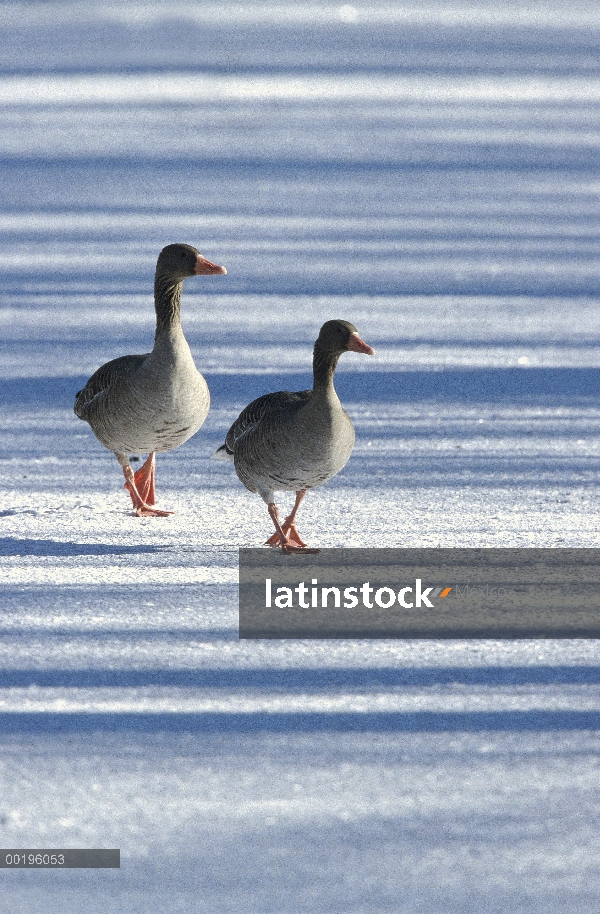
(59, 858)
(420, 593)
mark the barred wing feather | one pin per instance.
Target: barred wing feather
(268, 405)
(113, 372)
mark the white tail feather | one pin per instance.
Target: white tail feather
(221, 454)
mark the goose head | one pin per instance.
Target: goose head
(338, 336)
(178, 261)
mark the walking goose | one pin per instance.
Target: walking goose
(152, 402)
(296, 441)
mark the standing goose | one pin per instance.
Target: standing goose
(296, 441)
(152, 402)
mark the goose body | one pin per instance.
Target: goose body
(144, 403)
(152, 402)
(295, 441)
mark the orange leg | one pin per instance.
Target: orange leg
(141, 488)
(144, 480)
(281, 537)
(288, 527)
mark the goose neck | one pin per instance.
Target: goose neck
(324, 365)
(167, 302)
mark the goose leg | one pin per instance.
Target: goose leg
(280, 538)
(142, 508)
(289, 526)
(144, 480)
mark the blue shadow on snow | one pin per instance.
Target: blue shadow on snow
(294, 722)
(10, 545)
(301, 680)
(470, 385)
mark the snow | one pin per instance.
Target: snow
(429, 173)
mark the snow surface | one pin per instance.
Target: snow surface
(429, 173)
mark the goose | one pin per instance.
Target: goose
(296, 441)
(153, 402)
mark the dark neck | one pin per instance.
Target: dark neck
(324, 364)
(167, 302)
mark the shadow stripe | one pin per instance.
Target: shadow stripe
(313, 722)
(314, 680)
(572, 385)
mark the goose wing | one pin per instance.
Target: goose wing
(108, 376)
(255, 413)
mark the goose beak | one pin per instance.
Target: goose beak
(355, 344)
(205, 268)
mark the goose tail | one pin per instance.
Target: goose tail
(222, 453)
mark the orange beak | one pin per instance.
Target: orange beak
(355, 344)
(205, 268)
